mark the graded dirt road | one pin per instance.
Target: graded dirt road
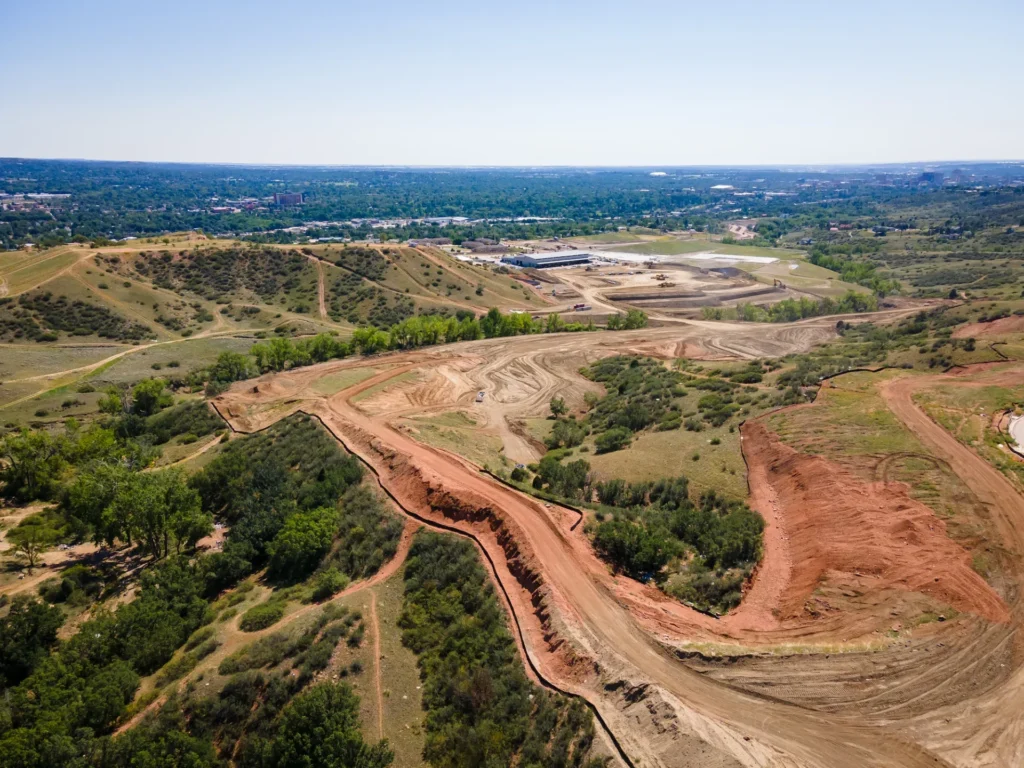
(992, 733)
(610, 639)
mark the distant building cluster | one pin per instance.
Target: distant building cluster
(31, 201)
(288, 198)
(547, 260)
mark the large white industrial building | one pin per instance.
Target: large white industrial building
(544, 260)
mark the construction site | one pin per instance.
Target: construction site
(867, 636)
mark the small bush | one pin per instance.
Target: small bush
(613, 440)
(328, 583)
(198, 637)
(318, 657)
(261, 616)
(356, 638)
(230, 613)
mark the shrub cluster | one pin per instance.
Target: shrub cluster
(41, 316)
(653, 524)
(221, 272)
(481, 708)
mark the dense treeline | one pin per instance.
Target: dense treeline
(59, 713)
(60, 707)
(269, 713)
(790, 310)
(481, 708)
(421, 330)
(256, 721)
(95, 476)
(279, 490)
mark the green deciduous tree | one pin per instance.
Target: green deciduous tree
(31, 539)
(613, 440)
(302, 542)
(32, 463)
(320, 729)
(230, 366)
(160, 510)
(26, 634)
(150, 396)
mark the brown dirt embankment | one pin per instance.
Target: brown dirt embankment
(835, 523)
(1004, 325)
(426, 493)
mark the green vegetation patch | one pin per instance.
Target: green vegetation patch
(41, 316)
(190, 418)
(222, 272)
(701, 553)
(481, 708)
(293, 500)
(262, 616)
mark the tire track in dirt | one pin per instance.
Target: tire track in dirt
(375, 625)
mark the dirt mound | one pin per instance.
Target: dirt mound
(836, 525)
(1000, 327)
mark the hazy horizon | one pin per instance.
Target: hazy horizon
(514, 166)
(461, 84)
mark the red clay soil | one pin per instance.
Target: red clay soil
(836, 523)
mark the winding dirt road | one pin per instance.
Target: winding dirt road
(990, 731)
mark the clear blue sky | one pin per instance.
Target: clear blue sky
(646, 82)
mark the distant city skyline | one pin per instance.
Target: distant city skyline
(648, 84)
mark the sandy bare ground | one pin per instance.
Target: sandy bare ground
(607, 638)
